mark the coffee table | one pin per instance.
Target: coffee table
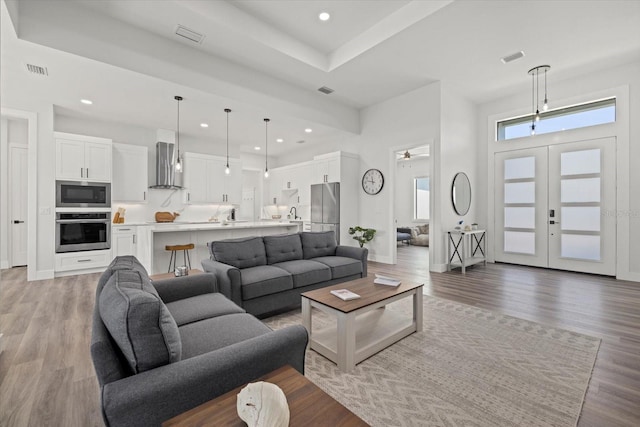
(308, 405)
(162, 276)
(364, 327)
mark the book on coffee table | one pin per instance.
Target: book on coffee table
(388, 281)
(345, 294)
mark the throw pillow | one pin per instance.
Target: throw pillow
(423, 229)
(139, 322)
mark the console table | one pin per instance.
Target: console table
(465, 248)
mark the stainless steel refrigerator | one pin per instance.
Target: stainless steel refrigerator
(325, 208)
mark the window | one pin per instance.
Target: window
(575, 117)
(421, 198)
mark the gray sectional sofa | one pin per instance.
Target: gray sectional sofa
(161, 348)
(267, 274)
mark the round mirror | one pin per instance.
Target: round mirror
(461, 193)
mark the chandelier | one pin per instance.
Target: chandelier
(535, 94)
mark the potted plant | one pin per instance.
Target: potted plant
(362, 235)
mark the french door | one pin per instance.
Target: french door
(555, 206)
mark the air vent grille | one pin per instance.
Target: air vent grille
(189, 34)
(302, 141)
(325, 90)
(512, 57)
(36, 69)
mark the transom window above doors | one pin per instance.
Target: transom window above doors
(573, 117)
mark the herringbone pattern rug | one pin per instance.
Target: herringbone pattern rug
(468, 367)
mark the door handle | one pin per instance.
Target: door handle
(552, 222)
(17, 221)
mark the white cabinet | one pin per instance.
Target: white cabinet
(82, 260)
(205, 181)
(130, 173)
(82, 158)
(124, 240)
(326, 170)
(273, 187)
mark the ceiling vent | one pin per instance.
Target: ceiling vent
(512, 57)
(36, 69)
(302, 141)
(189, 34)
(326, 90)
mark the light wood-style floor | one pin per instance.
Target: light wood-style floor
(46, 375)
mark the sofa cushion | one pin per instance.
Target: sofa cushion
(240, 253)
(264, 280)
(282, 248)
(218, 332)
(341, 266)
(139, 322)
(423, 229)
(194, 309)
(306, 272)
(125, 262)
(318, 244)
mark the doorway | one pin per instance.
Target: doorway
(554, 204)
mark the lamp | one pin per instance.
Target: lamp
(227, 170)
(178, 161)
(535, 94)
(266, 147)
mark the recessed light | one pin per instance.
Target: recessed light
(86, 101)
(256, 148)
(204, 125)
(324, 16)
(279, 140)
(308, 130)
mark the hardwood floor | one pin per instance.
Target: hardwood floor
(47, 378)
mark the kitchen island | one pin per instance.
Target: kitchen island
(153, 237)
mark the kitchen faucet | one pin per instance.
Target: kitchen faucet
(294, 211)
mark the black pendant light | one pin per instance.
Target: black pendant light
(227, 170)
(178, 161)
(535, 94)
(266, 148)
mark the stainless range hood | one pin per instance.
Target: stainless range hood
(165, 166)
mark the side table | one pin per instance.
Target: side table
(469, 247)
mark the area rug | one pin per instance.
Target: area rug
(468, 367)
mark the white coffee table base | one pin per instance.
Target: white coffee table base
(361, 333)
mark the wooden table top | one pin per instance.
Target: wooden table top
(370, 293)
(308, 406)
(163, 276)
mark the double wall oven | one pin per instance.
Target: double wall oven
(83, 216)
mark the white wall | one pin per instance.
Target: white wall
(406, 172)
(456, 152)
(627, 131)
(408, 120)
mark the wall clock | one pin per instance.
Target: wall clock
(372, 181)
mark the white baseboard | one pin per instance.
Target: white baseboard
(380, 259)
(44, 274)
(629, 275)
(76, 272)
(4, 264)
(438, 268)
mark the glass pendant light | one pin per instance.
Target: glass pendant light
(178, 161)
(266, 148)
(227, 170)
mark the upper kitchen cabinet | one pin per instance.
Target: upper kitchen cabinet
(130, 173)
(326, 168)
(206, 183)
(82, 158)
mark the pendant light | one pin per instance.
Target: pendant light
(227, 170)
(266, 148)
(178, 161)
(535, 94)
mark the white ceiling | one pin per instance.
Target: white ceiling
(267, 58)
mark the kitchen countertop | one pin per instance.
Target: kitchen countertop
(206, 225)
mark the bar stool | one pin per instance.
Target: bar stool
(174, 255)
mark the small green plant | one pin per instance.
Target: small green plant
(362, 235)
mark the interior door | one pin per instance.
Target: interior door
(582, 199)
(18, 165)
(553, 206)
